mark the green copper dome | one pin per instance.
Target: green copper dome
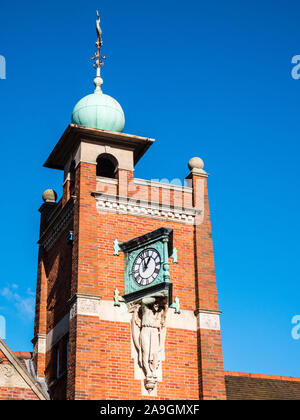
(99, 111)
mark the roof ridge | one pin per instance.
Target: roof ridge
(262, 376)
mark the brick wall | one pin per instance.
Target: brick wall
(17, 394)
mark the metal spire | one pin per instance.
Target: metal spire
(99, 63)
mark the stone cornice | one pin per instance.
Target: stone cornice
(74, 134)
(206, 311)
(197, 172)
(154, 210)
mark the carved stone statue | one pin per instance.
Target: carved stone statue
(148, 333)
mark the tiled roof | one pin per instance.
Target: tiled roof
(247, 386)
(22, 354)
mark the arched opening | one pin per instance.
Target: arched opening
(107, 166)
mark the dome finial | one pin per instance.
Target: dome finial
(98, 110)
(99, 63)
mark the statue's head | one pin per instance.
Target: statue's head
(156, 307)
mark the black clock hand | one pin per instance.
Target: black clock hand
(148, 262)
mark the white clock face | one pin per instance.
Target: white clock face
(146, 267)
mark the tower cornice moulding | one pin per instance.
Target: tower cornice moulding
(154, 210)
(75, 134)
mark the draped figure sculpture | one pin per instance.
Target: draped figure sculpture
(148, 333)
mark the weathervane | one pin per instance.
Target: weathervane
(99, 63)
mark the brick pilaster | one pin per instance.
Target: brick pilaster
(84, 273)
(211, 370)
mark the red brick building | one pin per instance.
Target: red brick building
(92, 338)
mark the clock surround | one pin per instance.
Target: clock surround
(147, 260)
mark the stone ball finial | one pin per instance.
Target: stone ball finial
(98, 82)
(196, 163)
(49, 196)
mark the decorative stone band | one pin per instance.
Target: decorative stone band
(43, 343)
(90, 305)
(186, 320)
(60, 329)
(82, 304)
(55, 228)
(154, 210)
(208, 320)
(39, 344)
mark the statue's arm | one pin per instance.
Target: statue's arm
(136, 329)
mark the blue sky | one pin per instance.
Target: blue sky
(204, 78)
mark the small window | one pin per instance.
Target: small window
(107, 166)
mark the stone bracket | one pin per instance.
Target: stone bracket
(84, 304)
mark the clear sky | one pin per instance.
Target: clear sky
(204, 78)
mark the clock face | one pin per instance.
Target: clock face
(146, 267)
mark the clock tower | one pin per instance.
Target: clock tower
(126, 303)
